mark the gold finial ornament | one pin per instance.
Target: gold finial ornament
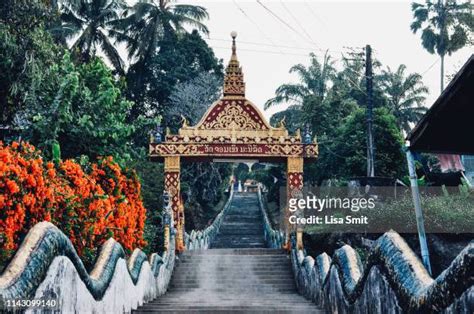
(282, 123)
(234, 84)
(184, 121)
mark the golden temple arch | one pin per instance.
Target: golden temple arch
(232, 128)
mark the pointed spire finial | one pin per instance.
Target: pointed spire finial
(233, 34)
(234, 79)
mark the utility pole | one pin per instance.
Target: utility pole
(369, 89)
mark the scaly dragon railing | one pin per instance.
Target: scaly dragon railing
(47, 267)
(393, 280)
(273, 238)
(202, 239)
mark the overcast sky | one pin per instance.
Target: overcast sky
(267, 46)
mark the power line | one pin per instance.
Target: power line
(316, 16)
(309, 49)
(286, 24)
(254, 23)
(277, 17)
(265, 51)
(430, 67)
(297, 22)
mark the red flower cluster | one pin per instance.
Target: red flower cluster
(88, 207)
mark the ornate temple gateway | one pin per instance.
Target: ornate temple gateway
(233, 128)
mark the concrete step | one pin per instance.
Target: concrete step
(267, 257)
(265, 279)
(229, 310)
(238, 275)
(235, 251)
(229, 259)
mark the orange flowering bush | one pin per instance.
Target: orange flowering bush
(126, 223)
(88, 207)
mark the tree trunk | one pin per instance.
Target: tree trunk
(442, 73)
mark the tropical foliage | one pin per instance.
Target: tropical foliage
(84, 110)
(445, 26)
(26, 50)
(87, 23)
(406, 96)
(331, 105)
(313, 82)
(147, 24)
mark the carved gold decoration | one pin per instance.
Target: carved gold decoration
(232, 126)
(295, 164)
(234, 84)
(184, 121)
(233, 117)
(172, 163)
(282, 124)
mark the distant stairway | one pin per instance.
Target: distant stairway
(243, 225)
(245, 277)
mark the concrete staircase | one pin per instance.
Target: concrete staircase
(242, 226)
(245, 277)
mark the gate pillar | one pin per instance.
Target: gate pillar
(172, 186)
(294, 189)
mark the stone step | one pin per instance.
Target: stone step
(235, 291)
(237, 287)
(277, 282)
(235, 256)
(238, 275)
(235, 251)
(265, 279)
(243, 245)
(245, 232)
(229, 310)
(217, 306)
(236, 240)
(232, 271)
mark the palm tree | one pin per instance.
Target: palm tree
(149, 22)
(313, 82)
(406, 94)
(446, 27)
(89, 23)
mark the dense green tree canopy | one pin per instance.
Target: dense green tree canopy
(84, 110)
(350, 146)
(406, 95)
(183, 59)
(27, 50)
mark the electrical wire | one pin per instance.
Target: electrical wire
(298, 23)
(277, 17)
(316, 16)
(255, 24)
(430, 67)
(281, 20)
(265, 51)
(309, 49)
